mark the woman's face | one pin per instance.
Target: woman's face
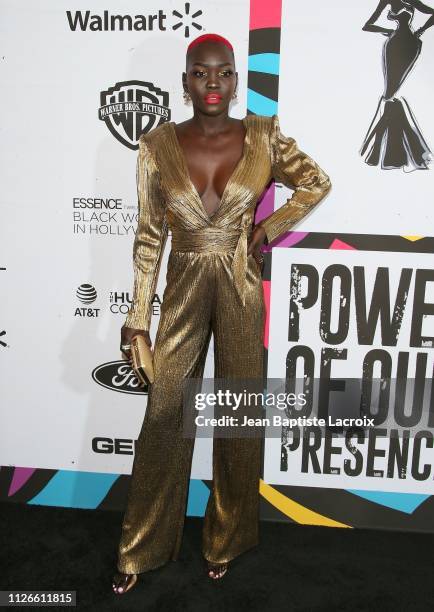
(210, 77)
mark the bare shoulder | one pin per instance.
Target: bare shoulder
(182, 127)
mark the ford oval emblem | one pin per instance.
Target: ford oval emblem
(118, 376)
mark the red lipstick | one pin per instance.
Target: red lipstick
(213, 98)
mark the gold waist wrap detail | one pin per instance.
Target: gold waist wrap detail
(209, 239)
(213, 239)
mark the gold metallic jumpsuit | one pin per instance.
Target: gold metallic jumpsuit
(212, 286)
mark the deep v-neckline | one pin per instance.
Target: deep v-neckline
(186, 173)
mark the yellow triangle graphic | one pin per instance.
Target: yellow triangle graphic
(294, 510)
(413, 238)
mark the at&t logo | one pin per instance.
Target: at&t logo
(86, 294)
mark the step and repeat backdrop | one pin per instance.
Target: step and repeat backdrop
(349, 292)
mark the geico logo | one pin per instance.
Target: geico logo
(97, 203)
(113, 446)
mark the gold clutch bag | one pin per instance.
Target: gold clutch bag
(142, 359)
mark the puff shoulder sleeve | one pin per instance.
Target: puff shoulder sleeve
(299, 172)
(150, 238)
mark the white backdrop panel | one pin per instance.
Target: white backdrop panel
(56, 149)
(285, 261)
(330, 83)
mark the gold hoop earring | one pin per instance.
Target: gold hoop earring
(187, 97)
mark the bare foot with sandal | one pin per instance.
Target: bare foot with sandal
(216, 570)
(123, 582)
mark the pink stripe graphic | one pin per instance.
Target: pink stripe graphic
(289, 240)
(265, 14)
(267, 290)
(265, 204)
(19, 479)
(339, 244)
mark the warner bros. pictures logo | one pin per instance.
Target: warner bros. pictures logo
(131, 108)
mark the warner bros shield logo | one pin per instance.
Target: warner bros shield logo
(131, 108)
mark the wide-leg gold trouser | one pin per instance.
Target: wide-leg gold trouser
(199, 299)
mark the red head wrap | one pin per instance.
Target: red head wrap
(205, 37)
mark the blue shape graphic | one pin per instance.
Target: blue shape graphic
(75, 489)
(260, 105)
(265, 62)
(404, 502)
(198, 494)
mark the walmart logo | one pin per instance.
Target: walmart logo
(187, 20)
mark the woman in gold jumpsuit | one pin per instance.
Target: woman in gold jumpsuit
(202, 180)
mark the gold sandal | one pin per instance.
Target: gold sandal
(218, 569)
(123, 582)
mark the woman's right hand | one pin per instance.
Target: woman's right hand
(126, 335)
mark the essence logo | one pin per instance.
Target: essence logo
(131, 108)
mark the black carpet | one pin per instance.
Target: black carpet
(294, 568)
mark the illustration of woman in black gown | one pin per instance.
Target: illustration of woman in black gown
(394, 138)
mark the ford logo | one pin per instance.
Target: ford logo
(118, 376)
